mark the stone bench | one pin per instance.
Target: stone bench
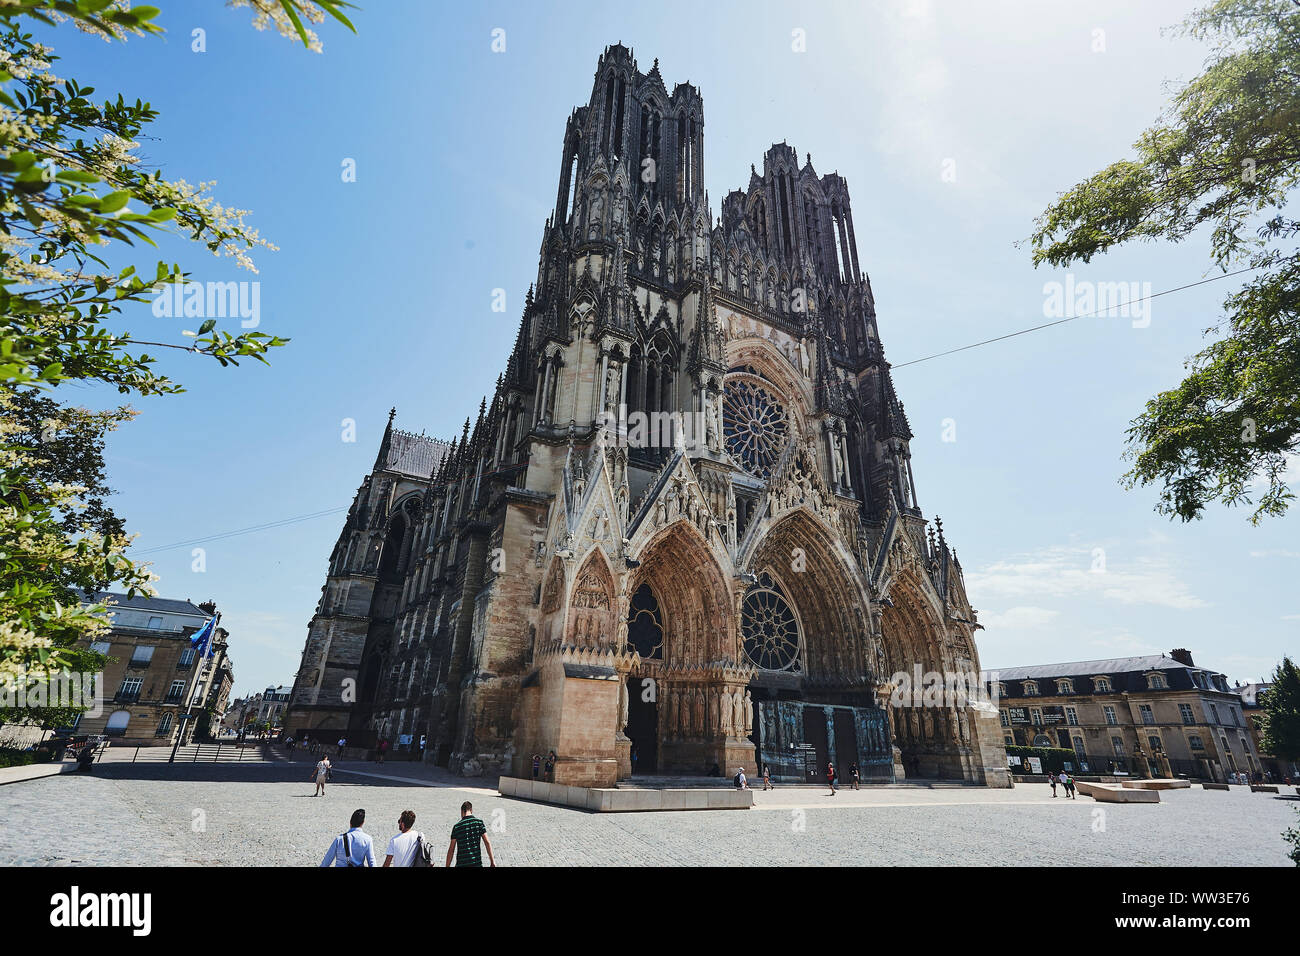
(1157, 784)
(613, 800)
(1214, 786)
(1263, 788)
(1113, 793)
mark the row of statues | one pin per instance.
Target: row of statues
(701, 711)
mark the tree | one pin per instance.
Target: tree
(1222, 162)
(71, 191)
(1280, 727)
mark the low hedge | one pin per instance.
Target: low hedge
(23, 758)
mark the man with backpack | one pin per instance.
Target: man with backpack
(353, 848)
(408, 848)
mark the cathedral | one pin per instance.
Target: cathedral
(683, 535)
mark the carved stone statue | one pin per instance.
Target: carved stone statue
(623, 703)
(749, 714)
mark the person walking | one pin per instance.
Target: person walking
(1062, 779)
(322, 776)
(853, 776)
(1069, 787)
(402, 848)
(382, 748)
(343, 742)
(465, 837)
(353, 848)
(830, 776)
(767, 777)
(742, 782)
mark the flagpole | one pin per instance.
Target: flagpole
(198, 668)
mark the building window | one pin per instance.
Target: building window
(130, 689)
(1194, 741)
(1110, 715)
(1065, 686)
(155, 622)
(1102, 684)
(175, 692)
(1154, 743)
(1078, 749)
(1186, 711)
(1006, 721)
(101, 647)
(1148, 716)
(117, 721)
(1008, 741)
(1001, 688)
(164, 726)
(187, 659)
(1245, 747)
(1118, 744)
(1072, 717)
(1236, 716)
(1031, 688)
(142, 655)
(1157, 682)
(1035, 716)
(1214, 714)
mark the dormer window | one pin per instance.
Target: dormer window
(1065, 686)
(1157, 682)
(1101, 684)
(1031, 688)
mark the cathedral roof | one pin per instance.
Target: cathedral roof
(415, 455)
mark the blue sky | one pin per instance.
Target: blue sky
(385, 284)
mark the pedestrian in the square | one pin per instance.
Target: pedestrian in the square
(353, 848)
(465, 837)
(343, 742)
(322, 775)
(1069, 787)
(537, 765)
(633, 758)
(1051, 778)
(853, 776)
(550, 767)
(383, 748)
(401, 848)
(830, 776)
(767, 777)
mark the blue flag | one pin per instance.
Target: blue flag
(202, 639)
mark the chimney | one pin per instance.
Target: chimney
(1182, 655)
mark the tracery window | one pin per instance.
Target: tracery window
(645, 627)
(754, 425)
(769, 629)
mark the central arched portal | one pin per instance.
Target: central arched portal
(805, 628)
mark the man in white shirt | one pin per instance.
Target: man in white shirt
(401, 848)
(354, 848)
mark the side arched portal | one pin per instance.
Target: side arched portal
(694, 679)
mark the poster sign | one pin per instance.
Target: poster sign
(1035, 765)
(1018, 715)
(1053, 715)
(1013, 760)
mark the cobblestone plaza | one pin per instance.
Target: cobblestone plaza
(265, 815)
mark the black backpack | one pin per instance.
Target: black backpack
(423, 852)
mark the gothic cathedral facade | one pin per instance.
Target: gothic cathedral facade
(683, 535)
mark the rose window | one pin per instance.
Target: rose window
(755, 426)
(769, 628)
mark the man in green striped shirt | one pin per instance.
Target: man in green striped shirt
(465, 836)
